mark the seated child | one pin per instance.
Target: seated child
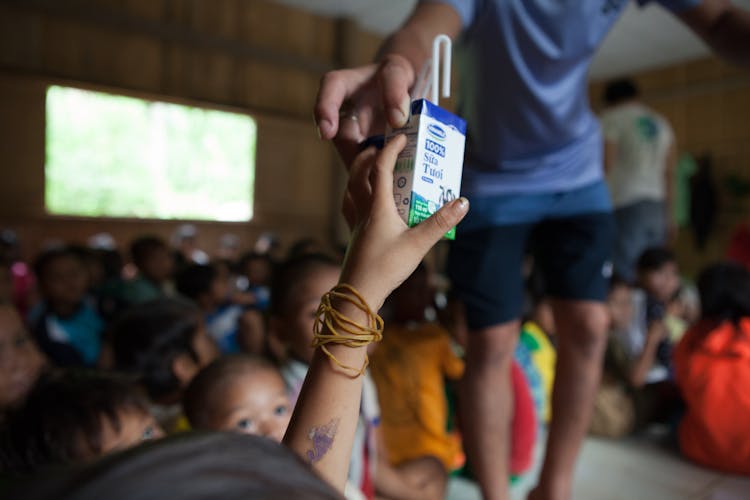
(614, 410)
(298, 285)
(257, 269)
(239, 393)
(164, 344)
(66, 324)
(21, 363)
(230, 325)
(535, 353)
(647, 345)
(409, 368)
(74, 416)
(712, 370)
(155, 264)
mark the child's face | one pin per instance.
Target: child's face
(64, 282)
(219, 291)
(620, 303)
(159, 265)
(20, 360)
(258, 271)
(256, 402)
(135, 427)
(662, 283)
(297, 326)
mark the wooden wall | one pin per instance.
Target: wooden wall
(252, 56)
(708, 104)
(266, 59)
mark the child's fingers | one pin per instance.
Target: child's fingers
(382, 174)
(359, 178)
(429, 232)
(349, 210)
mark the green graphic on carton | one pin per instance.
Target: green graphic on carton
(405, 165)
(420, 210)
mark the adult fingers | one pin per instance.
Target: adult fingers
(429, 232)
(335, 88)
(395, 76)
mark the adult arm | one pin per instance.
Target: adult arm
(365, 97)
(723, 26)
(383, 252)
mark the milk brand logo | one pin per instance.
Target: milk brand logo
(436, 131)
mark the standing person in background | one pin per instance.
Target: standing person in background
(534, 157)
(639, 161)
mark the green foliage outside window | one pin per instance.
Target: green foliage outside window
(118, 156)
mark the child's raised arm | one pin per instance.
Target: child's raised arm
(382, 253)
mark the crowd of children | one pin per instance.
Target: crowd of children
(95, 361)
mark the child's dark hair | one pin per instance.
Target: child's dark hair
(195, 279)
(290, 273)
(61, 419)
(724, 290)
(248, 257)
(111, 261)
(617, 280)
(149, 336)
(199, 399)
(620, 90)
(143, 247)
(654, 258)
(44, 259)
(189, 466)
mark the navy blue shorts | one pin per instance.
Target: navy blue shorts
(573, 251)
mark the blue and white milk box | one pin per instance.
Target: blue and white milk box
(428, 170)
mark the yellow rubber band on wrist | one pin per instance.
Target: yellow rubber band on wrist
(333, 327)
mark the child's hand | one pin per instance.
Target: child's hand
(383, 251)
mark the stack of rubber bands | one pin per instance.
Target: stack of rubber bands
(332, 327)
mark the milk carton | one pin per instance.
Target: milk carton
(428, 170)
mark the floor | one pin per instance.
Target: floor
(631, 469)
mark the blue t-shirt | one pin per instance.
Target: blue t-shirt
(73, 340)
(523, 67)
(223, 326)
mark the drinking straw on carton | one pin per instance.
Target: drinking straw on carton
(431, 66)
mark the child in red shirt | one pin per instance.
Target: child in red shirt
(712, 368)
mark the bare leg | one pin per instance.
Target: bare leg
(486, 405)
(581, 331)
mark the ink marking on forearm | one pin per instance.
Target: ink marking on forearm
(322, 440)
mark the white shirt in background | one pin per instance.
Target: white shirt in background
(642, 138)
